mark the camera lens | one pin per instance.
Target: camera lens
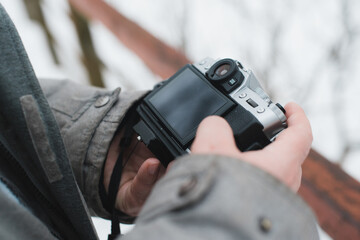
(222, 70)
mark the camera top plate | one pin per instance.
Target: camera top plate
(253, 98)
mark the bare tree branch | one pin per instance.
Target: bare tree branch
(35, 12)
(89, 59)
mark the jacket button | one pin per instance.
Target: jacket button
(265, 224)
(102, 101)
(188, 186)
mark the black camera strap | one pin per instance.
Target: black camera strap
(109, 200)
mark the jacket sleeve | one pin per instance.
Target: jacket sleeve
(213, 197)
(88, 118)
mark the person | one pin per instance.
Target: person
(59, 146)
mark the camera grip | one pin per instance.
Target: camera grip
(248, 131)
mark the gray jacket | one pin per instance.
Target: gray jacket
(61, 152)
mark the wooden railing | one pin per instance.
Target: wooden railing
(333, 194)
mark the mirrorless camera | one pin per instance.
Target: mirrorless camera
(172, 111)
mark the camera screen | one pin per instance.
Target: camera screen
(186, 100)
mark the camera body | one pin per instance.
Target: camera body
(172, 111)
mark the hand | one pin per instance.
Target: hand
(282, 158)
(139, 175)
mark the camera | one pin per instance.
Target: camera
(172, 111)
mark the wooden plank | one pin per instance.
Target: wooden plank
(333, 195)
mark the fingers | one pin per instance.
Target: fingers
(282, 159)
(297, 138)
(133, 194)
(214, 136)
(145, 179)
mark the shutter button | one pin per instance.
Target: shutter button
(188, 186)
(102, 101)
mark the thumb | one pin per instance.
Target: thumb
(214, 136)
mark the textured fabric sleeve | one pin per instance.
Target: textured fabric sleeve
(88, 118)
(212, 197)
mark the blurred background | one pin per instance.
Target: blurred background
(303, 51)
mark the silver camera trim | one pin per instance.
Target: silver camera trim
(267, 113)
